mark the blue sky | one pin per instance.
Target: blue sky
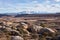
(49, 6)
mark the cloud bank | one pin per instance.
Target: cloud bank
(48, 6)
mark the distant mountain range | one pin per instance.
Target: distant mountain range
(38, 15)
(30, 14)
(1, 15)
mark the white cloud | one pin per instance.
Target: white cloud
(33, 6)
(57, 0)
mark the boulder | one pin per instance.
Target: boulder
(16, 38)
(47, 32)
(34, 28)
